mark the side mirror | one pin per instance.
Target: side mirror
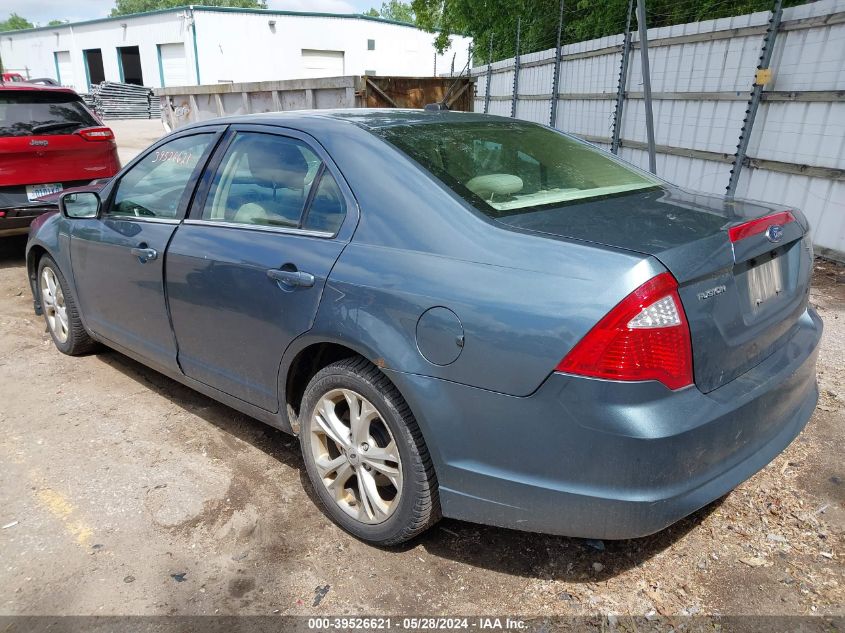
(83, 204)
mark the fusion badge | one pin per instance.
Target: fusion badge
(712, 292)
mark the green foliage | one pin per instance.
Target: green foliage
(394, 10)
(125, 7)
(56, 22)
(583, 19)
(15, 23)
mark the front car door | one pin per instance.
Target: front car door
(246, 270)
(118, 258)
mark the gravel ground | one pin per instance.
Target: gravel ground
(123, 492)
(133, 135)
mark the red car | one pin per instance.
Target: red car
(49, 141)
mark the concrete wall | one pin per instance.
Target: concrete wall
(244, 47)
(701, 75)
(232, 45)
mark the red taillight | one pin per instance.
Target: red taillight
(645, 337)
(96, 134)
(753, 227)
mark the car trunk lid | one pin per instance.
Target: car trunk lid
(48, 136)
(54, 159)
(742, 298)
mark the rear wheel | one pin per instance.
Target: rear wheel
(60, 311)
(365, 455)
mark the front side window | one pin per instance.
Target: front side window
(154, 187)
(508, 167)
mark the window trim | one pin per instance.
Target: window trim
(259, 227)
(216, 133)
(350, 220)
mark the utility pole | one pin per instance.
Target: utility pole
(556, 77)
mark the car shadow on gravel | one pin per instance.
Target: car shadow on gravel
(497, 549)
(549, 557)
(12, 251)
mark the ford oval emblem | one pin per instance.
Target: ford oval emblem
(774, 233)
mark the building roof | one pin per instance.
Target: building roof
(199, 7)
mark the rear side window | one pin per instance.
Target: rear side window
(263, 179)
(508, 167)
(276, 181)
(36, 113)
(327, 208)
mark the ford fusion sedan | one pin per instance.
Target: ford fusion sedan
(458, 315)
(49, 141)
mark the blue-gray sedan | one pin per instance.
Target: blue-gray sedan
(459, 315)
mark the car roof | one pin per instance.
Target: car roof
(369, 118)
(25, 86)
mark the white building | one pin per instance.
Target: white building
(204, 45)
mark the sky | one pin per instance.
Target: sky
(42, 11)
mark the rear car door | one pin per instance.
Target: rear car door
(246, 270)
(118, 258)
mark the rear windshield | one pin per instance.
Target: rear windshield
(507, 167)
(34, 113)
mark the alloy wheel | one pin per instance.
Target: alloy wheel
(53, 304)
(356, 456)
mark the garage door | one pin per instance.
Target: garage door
(64, 68)
(173, 65)
(316, 63)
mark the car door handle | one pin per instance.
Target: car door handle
(291, 277)
(144, 254)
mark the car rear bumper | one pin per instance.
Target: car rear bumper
(15, 195)
(601, 459)
(17, 221)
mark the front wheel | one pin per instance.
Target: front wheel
(60, 311)
(365, 455)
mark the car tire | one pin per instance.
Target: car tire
(60, 312)
(390, 492)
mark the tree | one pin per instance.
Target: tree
(395, 10)
(583, 19)
(125, 7)
(56, 22)
(15, 23)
